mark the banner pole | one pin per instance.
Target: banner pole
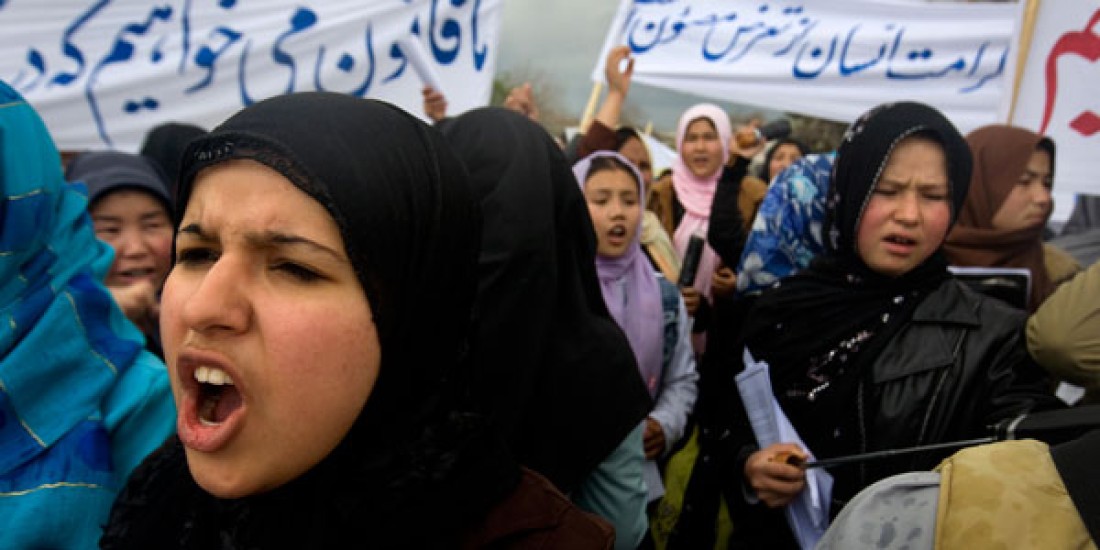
(1027, 30)
(590, 109)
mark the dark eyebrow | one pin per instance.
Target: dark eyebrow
(267, 239)
(270, 238)
(195, 230)
(153, 214)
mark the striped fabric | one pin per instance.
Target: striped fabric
(66, 353)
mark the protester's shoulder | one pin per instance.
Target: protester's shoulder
(1032, 508)
(1060, 265)
(536, 514)
(139, 411)
(955, 302)
(145, 378)
(896, 512)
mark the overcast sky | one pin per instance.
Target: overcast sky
(562, 40)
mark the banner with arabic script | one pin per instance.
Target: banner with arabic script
(102, 73)
(832, 59)
(1059, 92)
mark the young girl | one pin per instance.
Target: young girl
(132, 211)
(1001, 224)
(875, 346)
(647, 306)
(702, 141)
(316, 328)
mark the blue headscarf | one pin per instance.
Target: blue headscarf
(68, 356)
(786, 233)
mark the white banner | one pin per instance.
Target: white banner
(1059, 92)
(103, 73)
(832, 59)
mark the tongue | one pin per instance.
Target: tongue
(219, 403)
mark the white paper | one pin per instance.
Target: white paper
(808, 515)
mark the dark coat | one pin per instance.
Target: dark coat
(536, 515)
(959, 365)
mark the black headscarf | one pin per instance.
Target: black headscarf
(412, 471)
(104, 172)
(165, 144)
(836, 315)
(554, 370)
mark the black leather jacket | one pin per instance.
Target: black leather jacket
(959, 365)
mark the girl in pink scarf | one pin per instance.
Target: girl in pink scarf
(702, 138)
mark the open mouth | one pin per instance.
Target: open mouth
(617, 231)
(131, 276)
(137, 272)
(900, 240)
(211, 405)
(218, 397)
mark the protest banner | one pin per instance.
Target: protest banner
(831, 60)
(102, 73)
(1057, 91)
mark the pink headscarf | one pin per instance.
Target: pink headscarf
(696, 194)
(630, 288)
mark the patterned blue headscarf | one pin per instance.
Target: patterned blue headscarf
(787, 231)
(68, 356)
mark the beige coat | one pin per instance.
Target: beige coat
(1007, 495)
(1063, 335)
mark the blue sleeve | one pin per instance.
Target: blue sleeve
(679, 386)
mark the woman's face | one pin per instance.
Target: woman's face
(267, 332)
(908, 215)
(1029, 203)
(138, 227)
(612, 197)
(785, 154)
(702, 149)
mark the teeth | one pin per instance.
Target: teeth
(213, 375)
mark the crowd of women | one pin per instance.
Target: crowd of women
(325, 322)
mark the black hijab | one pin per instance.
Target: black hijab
(165, 144)
(554, 370)
(838, 313)
(411, 472)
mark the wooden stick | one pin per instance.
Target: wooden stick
(1027, 30)
(589, 111)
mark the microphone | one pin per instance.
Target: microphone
(692, 255)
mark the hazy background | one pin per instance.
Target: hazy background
(556, 45)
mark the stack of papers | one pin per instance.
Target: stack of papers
(808, 515)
